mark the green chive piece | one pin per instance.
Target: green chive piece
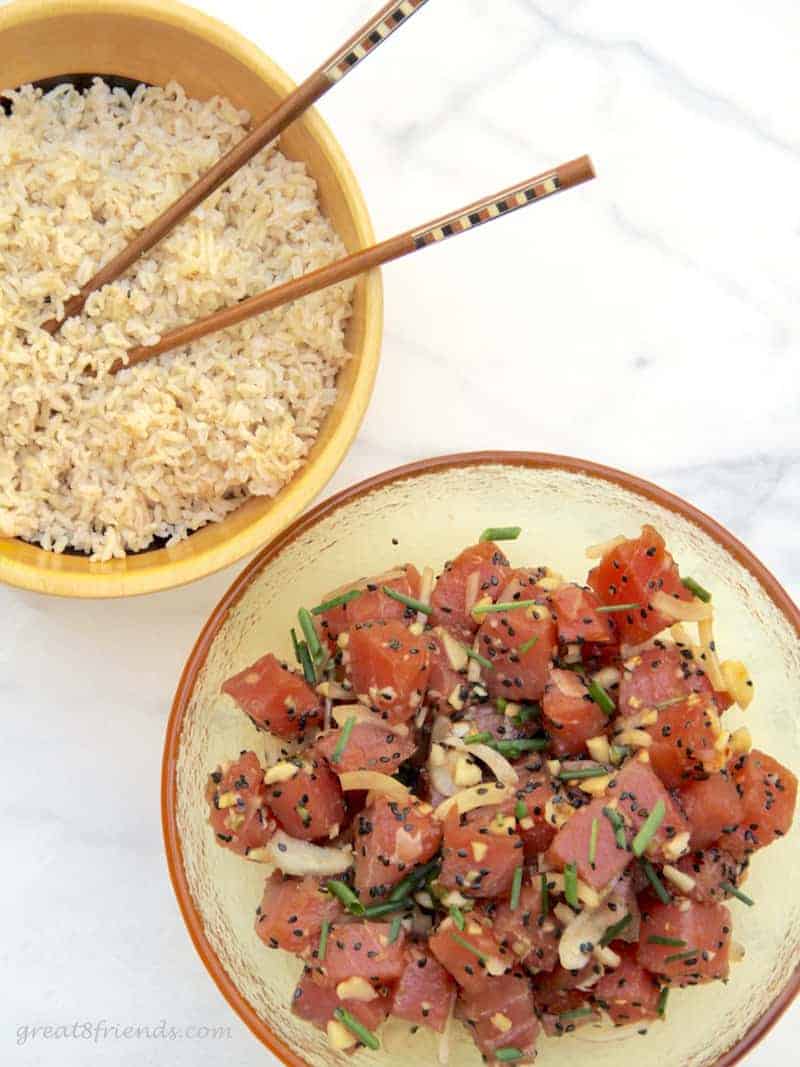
(612, 932)
(481, 738)
(310, 633)
(364, 1035)
(571, 885)
(501, 703)
(619, 753)
(394, 929)
(508, 1054)
(296, 646)
(658, 886)
(593, 843)
(545, 895)
(409, 601)
(663, 996)
(514, 749)
(601, 697)
(526, 713)
(528, 645)
(323, 940)
(734, 892)
(671, 942)
(500, 533)
(521, 811)
(576, 1013)
(516, 889)
(648, 829)
(457, 915)
(412, 882)
(309, 673)
(697, 589)
(618, 823)
(346, 895)
(680, 956)
(484, 662)
(468, 946)
(336, 601)
(344, 737)
(486, 609)
(581, 772)
(376, 910)
(608, 609)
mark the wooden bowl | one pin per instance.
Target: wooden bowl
(155, 41)
(423, 513)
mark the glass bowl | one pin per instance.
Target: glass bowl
(424, 513)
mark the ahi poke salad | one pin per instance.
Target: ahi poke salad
(501, 798)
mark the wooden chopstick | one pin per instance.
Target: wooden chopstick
(531, 191)
(394, 14)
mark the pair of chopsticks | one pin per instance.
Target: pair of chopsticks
(347, 58)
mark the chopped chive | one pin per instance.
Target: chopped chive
(618, 823)
(528, 645)
(663, 996)
(648, 829)
(364, 1035)
(468, 946)
(734, 892)
(508, 1054)
(545, 895)
(607, 609)
(336, 601)
(619, 753)
(394, 929)
(323, 940)
(344, 737)
(593, 843)
(376, 910)
(680, 956)
(296, 646)
(501, 703)
(478, 739)
(514, 749)
(346, 895)
(409, 601)
(601, 697)
(526, 713)
(307, 664)
(521, 811)
(457, 915)
(697, 589)
(576, 1013)
(516, 888)
(581, 772)
(484, 662)
(571, 884)
(310, 633)
(500, 533)
(411, 883)
(671, 942)
(612, 932)
(658, 886)
(485, 609)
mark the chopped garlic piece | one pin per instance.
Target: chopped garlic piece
(741, 741)
(677, 846)
(501, 1022)
(339, 1037)
(356, 989)
(737, 681)
(281, 772)
(599, 748)
(682, 881)
(227, 800)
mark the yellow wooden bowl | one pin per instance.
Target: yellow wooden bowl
(155, 41)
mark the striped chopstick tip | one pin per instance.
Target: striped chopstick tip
(385, 25)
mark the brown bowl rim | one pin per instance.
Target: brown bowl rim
(540, 460)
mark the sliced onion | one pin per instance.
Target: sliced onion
(454, 650)
(497, 764)
(301, 857)
(373, 782)
(680, 610)
(598, 551)
(425, 590)
(471, 591)
(705, 629)
(444, 1040)
(442, 780)
(477, 796)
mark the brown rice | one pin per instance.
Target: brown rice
(105, 464)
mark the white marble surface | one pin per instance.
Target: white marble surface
(648, 321)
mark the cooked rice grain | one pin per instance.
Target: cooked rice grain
(105, 464)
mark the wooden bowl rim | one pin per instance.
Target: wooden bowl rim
(111, 579)
(197, 658)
